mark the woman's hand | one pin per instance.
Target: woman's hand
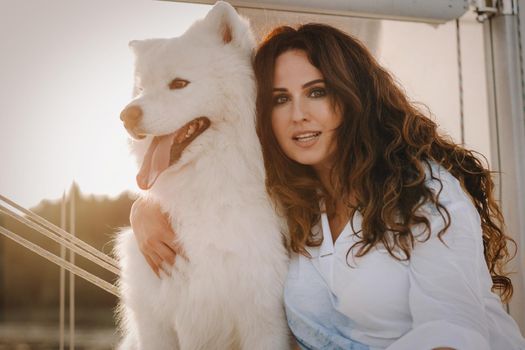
(154, 235)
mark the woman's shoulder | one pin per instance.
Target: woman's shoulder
(451, 196)
(460, 217)
(445, 186)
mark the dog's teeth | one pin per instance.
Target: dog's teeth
(190, 131)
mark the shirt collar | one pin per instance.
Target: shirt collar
(327, 247)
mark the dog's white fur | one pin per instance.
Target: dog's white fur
(229, 294)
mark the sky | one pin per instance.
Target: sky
(67, 72)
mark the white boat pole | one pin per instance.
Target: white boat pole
(72, 195)
(430, 11)
(62, 273)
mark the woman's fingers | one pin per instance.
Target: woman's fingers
(169, 238)
(176, 248)
(153, 265)
(163, 265)
(160, 265)
(166, 253)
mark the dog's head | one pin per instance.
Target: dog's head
(187, 85)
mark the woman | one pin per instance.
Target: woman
(396, 239)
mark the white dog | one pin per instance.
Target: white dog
(192, 119)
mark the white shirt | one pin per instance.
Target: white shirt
(440, 298)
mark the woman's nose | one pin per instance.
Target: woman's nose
(299, 110)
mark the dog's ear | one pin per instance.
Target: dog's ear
(137, 46)
(230, 27)
(141, 46)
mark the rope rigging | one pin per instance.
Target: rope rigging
(63, 238)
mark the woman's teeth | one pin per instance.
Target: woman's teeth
(307, 137)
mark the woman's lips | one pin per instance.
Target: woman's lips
(306, 139)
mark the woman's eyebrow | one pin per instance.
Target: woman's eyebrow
(305, 85)
(313, 82)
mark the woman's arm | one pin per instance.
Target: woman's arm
(154, 235)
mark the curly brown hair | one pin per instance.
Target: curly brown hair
(384, 145)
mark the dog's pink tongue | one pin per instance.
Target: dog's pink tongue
(157, 160)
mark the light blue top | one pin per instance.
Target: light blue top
(441, 298)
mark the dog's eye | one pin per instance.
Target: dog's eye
(178, 84)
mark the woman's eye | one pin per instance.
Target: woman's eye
(178, 84)
(318, 92)
(280, 99)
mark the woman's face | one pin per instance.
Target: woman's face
(303, 119)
